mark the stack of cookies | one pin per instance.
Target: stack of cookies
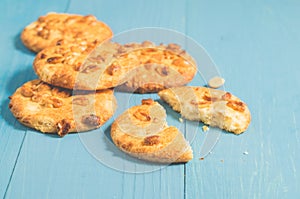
(79, 66)
(62, 42)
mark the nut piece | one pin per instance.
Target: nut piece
(142, 115)
(26, 92)
(200, 103)
(216, 82)
(91, 120)
(43, 56)
(127, 146)
(82, 101)
(147, 44)
(205, 128)
(226, 96)
(63, 128)
(54, 60)
(162, 71)
(147, 101)
(89, 68)
(57, 102)
(235, 105)
(112, 69)
(151, 140)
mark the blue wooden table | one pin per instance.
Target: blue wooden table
(256, 47)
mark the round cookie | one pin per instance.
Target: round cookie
(136, 67)
(59, 65)
(142, 132)
(54, 27)
(153, 68)
(213, 107)
(54, 110)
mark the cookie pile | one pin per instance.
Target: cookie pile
(54, 108)
(78, 66)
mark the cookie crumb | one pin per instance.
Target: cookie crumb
(245, 153)
(201, 158)
(216, 82)
(205, 128)
(181, 120)
(222, 161)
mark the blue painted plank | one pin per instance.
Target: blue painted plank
(63, 168)
(133, 14)
(15, 69)
(256, 47)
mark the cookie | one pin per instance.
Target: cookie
(161, 67)
(54, 27)
(60, 65)
(54, 110)
(136, 67)
(212, 107)
(142, 132)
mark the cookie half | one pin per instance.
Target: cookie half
(213, 107)
(54, 110)
(54, 27)
(142, 132)
(136, 67)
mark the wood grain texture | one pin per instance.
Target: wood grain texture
(255, 45)
(62, 168)
(15, 69)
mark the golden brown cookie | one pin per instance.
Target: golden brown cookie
(54, 27)
(161, 67)
(213, 107)
(60, 65)
(142, 132)
(136, 67)
(54, 110)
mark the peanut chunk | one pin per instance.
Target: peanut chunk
(151, 140)
(112, 69)
(63, 128)
(216, 82)
(226, 96)
(205, 128)
(26, 92)
(235, 105)
(142, 115)
(54, 60)
(162, 71)
(92, 120)
(56, 103)
(147, 101)
(82, 101)
(89, 68)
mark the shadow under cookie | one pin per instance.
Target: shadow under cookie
(19, 78)
(18, 44)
